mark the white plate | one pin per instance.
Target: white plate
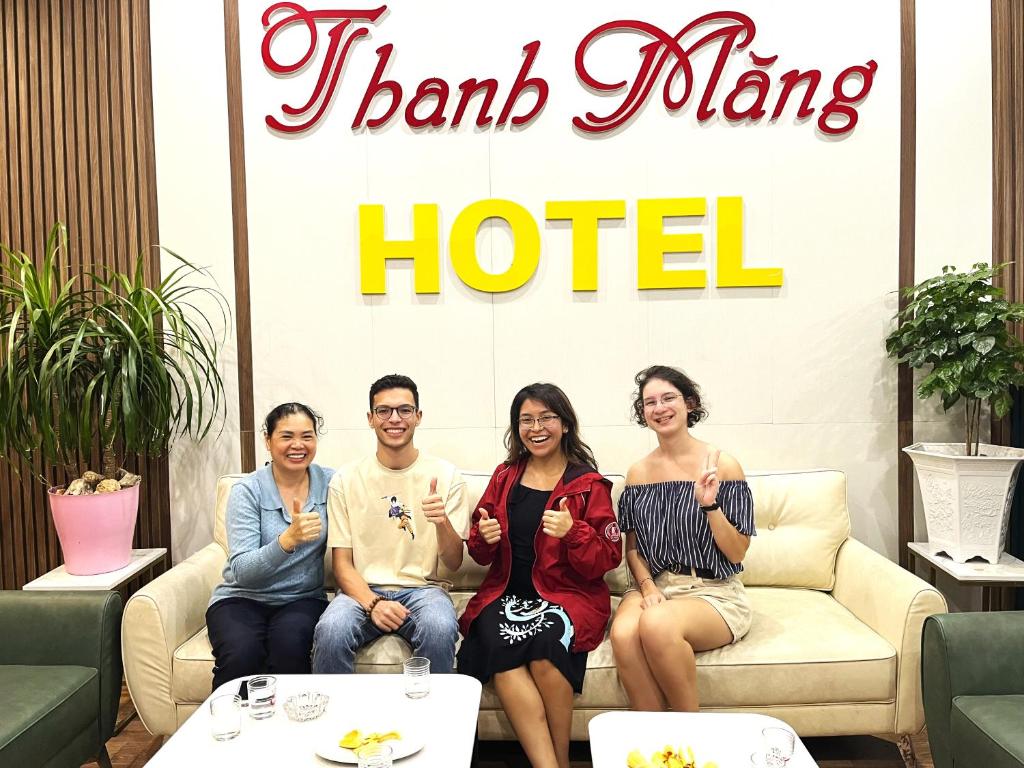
(328, 749)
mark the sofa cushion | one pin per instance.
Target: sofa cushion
(801, 520)
(987, 730)
(803, 647)
(801, 644)
(44, 707)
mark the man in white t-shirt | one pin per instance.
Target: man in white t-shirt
(392, 517)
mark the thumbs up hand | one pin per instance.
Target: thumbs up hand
(305, 527)
(557, 522)
(433, 505)
(490, 529)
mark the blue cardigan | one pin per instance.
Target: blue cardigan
(257, 567)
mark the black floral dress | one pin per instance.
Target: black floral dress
(521, 626)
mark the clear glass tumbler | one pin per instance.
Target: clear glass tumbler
(416, 672)
(262, 696)
(225, 716)
(778, 746)
(374, 756)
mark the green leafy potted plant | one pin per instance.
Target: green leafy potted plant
(957, 325)
(103, 361)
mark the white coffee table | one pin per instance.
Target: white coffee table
(723, 738)
(446, 718)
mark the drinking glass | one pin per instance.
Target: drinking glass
(778, 746)
(374, 756)
(262, 696)
(416, 672)
(225, 716)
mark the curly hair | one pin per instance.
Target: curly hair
(686, 386)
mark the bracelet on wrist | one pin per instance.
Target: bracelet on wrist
(710, 507)
(373, 604)
(640, 586)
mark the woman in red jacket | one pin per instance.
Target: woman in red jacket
(546, 527)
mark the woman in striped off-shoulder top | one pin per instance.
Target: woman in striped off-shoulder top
(688, 516)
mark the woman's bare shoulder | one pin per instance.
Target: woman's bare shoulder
(729, 468)
(639, 472)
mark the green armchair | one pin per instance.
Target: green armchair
(60, 674)
(973, 686)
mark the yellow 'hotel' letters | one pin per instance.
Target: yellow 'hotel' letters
(652, 245)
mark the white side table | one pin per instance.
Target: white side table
(59, 578)
(996, 580)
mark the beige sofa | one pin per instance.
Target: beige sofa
(834, 647)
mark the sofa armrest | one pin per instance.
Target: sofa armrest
(967, 654)
(894, 603)
(159, 618)
(67, 628)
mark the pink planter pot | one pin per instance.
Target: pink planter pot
(95, 531)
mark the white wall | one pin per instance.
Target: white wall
(194, 198)
(794, 377)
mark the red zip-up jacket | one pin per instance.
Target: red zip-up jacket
(568, 571)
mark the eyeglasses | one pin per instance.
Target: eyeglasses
(527, 422)
(383, 412)
(668, 399)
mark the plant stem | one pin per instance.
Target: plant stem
(109, 461)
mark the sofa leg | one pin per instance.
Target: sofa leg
(103, 758)
(906, 747)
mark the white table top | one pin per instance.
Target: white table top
(723, 738)
(59, 578)
(1009, 569)
(446, 719)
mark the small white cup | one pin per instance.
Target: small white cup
(416, 673)
(225, 716)
(262, 696)
(374, 756)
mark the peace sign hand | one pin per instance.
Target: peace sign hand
(707, 484)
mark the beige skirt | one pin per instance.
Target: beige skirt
(727, 596)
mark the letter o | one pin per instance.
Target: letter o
(525, 243)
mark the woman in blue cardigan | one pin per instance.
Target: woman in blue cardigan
(261, 618)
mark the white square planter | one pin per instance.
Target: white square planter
(966, 498)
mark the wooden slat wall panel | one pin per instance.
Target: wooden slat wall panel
(908, 208)
(1008, 144)
(1008, 162)
(76, 145)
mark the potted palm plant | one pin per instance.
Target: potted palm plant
(101, 361)
(957, 324)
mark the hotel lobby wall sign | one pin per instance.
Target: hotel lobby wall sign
(653, 243)
(663, 54)
(757, 254)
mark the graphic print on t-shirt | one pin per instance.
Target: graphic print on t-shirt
(400, 512)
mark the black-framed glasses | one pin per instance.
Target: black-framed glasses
(527, 422)
(383, 412)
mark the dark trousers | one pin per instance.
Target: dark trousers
(250, 637)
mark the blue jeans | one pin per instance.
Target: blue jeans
(430, 628)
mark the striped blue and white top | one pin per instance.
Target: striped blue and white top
(672, 534)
